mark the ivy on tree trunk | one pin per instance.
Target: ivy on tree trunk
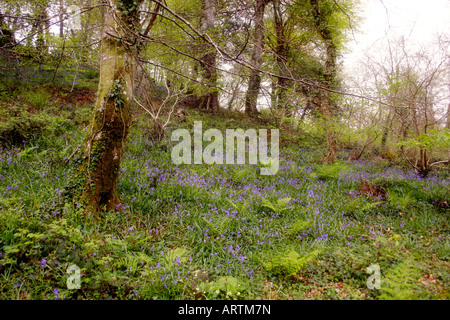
(110, 125)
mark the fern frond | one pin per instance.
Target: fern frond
(369, 205)
(289, 262)
(268, 205)
(400, 282)
(177, 255)
(297, 227)
(280, 206)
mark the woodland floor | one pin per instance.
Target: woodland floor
(210, 232)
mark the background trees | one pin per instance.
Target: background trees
(412, 87)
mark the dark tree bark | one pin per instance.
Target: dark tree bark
(61, 18)
(210, 99)
(327, 106)
(448, 117)
(6, 35)
(281, 52)
(42, 22)
(386, 129)
(254, 83)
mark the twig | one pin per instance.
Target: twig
(73, 153)
(439, 162)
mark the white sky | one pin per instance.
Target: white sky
(416, 20)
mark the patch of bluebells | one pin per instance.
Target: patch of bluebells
(255, 231)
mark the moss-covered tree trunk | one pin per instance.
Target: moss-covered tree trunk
(104, 148)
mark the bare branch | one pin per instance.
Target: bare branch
(152, 19)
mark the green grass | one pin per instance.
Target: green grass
(216, 232)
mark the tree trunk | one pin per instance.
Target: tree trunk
(281, 52)
(86, 30)
(41, 23)
(6, 35)
(112, 117)
(328, 112)
(210, 99)
(31, 34)
(448, 117)
(61, 18)
(328, 108)
(254, 83)
(386, 129)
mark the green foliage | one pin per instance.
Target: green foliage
(175, 256)
(329, 171)
(242, 176)
(91, 74)
(219, 227)
(431, 142)
(280, 206)
(401, 200)
(37, 116)
(337, 20)
(188, 8)
(297, 227)
(130, 263)
(435, 195)
(116, 92)
(38, 99)
(351, 206)
(28, 245)
(400, 283)
(240, 207)
(289, 262)
(369, 206)
(225, 288)
(212, 232)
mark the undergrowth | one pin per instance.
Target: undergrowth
(210, 232)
